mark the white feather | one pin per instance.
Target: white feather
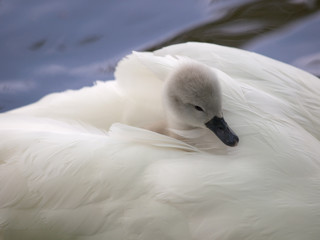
(69, 170)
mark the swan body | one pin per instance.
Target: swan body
(79, 165)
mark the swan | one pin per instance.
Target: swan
(192, 101)
(87, 164)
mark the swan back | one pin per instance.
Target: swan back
(268, 76)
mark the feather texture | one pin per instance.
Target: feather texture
(77, 165)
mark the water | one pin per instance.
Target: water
(48, 46)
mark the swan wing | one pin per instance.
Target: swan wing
(71, 181)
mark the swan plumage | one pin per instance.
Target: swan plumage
(78, 165)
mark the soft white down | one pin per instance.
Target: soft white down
(82, 165)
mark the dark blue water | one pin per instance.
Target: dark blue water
(48, 46)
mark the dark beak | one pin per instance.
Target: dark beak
(223, 132)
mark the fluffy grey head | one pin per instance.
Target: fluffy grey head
(192, 95)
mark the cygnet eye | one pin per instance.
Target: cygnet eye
(198, 108)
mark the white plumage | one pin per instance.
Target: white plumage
(71, 167)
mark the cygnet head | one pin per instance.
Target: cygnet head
(192, 99)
